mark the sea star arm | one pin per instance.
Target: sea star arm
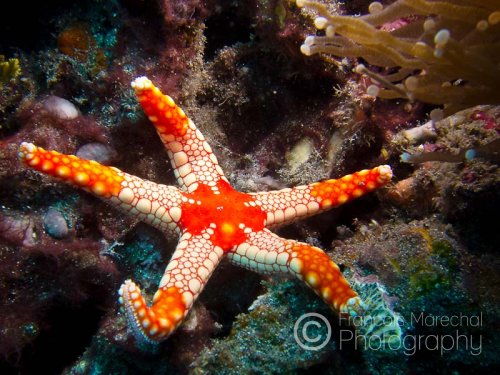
(287, 205)
(190, 154)
(190, 267)
(157, 205)
(265, 252)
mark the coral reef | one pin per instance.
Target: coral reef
(265, 339)
(473, 137)
(262, 341)
(426, 246)
(430, 273)
(466, 188)
(37, 315)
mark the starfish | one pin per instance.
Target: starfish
(212, 219)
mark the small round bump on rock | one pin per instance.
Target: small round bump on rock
(96, 151)
(55, 225)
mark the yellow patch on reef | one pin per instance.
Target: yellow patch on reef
(9, 69)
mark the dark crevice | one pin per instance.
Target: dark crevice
(27, 26)
(70, 331)
(228, 26)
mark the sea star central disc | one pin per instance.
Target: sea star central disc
(226, 214)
